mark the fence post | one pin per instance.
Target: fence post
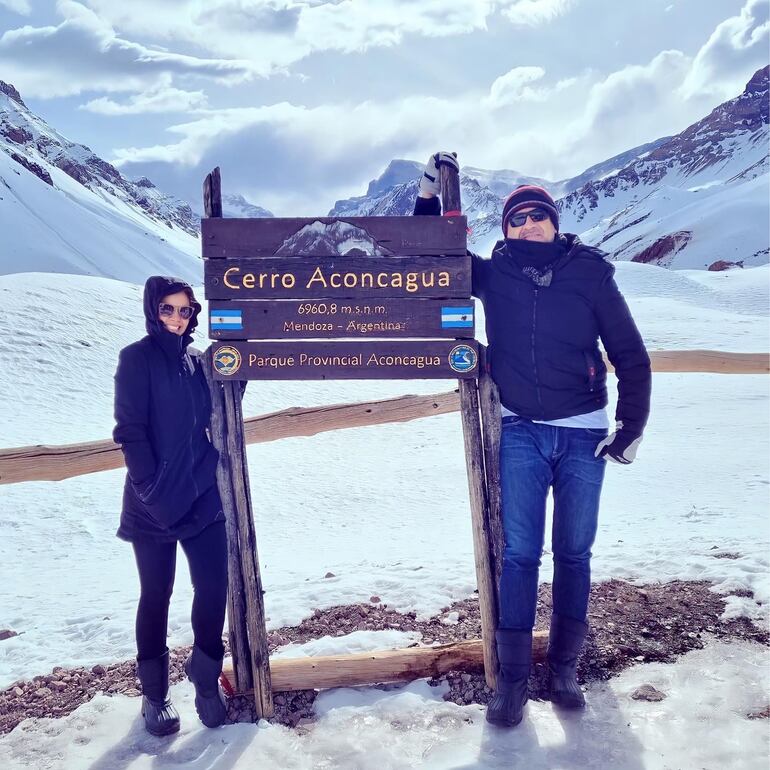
(477, 479)
(246, 611)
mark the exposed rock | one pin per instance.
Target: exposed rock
(647, 692)
(10, 91)
(663, 251)
(30, 165)
(722, 264)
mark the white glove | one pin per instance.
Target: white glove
(619, 447)
(429, 182)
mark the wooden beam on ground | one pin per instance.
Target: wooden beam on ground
(364, 668)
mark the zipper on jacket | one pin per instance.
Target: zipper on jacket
(591, 368)
(534, 360)
(191, 380)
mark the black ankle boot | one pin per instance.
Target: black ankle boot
(565, 641)
(514, 653)
(160, 716)
(204, 672)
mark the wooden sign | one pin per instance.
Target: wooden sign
(380, 360)
(326, 236)
(337, 277)
(362, 318)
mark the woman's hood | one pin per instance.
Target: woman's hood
(155, 288)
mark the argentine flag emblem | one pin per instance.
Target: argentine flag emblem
(456, 317)
(225, 319)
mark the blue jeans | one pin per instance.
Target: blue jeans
(534, 457)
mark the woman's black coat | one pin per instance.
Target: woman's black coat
(162, 415)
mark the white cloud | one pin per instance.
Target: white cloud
(83, 53)
(274, 34)
(512, 86)
(296, 159)
(738, 43)
(161, 98)
(17, 6)
(531, 13)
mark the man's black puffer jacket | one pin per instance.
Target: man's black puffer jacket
(543, 340)
(162, 413)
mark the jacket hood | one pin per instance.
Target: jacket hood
(155, 288)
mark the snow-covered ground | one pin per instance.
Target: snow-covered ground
(702, 723)
(386, 510)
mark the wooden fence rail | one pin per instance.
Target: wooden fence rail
(56, 463)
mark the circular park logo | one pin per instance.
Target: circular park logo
(463, 358)
(227, 360)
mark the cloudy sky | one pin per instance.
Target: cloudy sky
(302, 102)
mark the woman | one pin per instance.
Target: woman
(548, 300)
(162, 413)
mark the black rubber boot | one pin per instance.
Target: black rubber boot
(514, 653)
(565, 641)
(204, 672)
(160, 716)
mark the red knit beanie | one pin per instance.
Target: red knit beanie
(527, 195)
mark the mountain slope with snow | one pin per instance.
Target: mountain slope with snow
(697, 199)
(65, 210)
(693, 200)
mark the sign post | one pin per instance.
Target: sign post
(336, 298)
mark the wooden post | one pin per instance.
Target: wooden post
(248, 633)
(491, 429)
(477, 481)
(236, 602)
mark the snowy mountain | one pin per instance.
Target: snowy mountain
(697, 199)
(236, 206)
(64, 209)
(393, 194)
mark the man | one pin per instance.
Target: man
(548, 299)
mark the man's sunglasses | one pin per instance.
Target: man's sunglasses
(536, 215)
(185, 312)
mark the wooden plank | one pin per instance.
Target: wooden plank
(247, 544)
(491, 425)
(708, 361)
(376, 359)
(248, 632)
(212, 194)
(236, 597)
(337, 278)
(328, 671)
(43, 462)
(290, 319)
(333, 236)
(47, 463)
(477, 479)
(477, 489)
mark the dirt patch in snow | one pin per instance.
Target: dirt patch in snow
(628, 624)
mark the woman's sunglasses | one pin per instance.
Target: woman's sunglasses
(185, 312)
(536, 215)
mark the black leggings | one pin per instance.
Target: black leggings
(207, 556)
